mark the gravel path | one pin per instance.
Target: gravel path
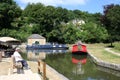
(109, 50)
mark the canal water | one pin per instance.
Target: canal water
(74, 67)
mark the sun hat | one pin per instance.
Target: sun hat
(17, 48)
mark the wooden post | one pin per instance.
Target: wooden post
(12, 64)
(38, 66)
(44, 71)
(44, 68)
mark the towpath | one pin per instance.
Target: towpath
(5, 72)
(28, 75)
(109, 50)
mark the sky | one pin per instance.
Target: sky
(91, 6)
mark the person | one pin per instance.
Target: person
(18, 58)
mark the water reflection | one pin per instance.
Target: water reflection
(35, 54)
(79, 61)
(79, 58)
(78, 67)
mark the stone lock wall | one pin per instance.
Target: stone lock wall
(105, 64)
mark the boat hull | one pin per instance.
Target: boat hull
(79, 49)
(79, 52)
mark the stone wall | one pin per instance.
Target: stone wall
(105, 64)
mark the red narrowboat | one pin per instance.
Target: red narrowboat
(79, 49)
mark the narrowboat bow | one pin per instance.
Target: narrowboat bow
(79, 49)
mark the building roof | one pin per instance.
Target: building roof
(9, 41)
(36, 36)
(6, 39)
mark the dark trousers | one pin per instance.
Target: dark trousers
(24, 63)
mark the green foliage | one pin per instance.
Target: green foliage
(65, 33)
(55, 23)
(19, 34)
(8, 12)
(7, 1)
(46, 18)
(92, 32)
(4, 32)
(71, 33)
(111, 20)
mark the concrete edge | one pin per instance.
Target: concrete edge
(105, 64)
(57, 73)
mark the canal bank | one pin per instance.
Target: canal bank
(104, 56)
(51, 73)
(104, 64)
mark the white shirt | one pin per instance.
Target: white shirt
(17, 56)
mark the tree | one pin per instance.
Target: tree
(8, 12)
(91, 32)
(111, 20)
(97, 18)
(70, 33)
(47, 17)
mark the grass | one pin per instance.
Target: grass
(98, 50)
(117, 46)
(115, 50)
